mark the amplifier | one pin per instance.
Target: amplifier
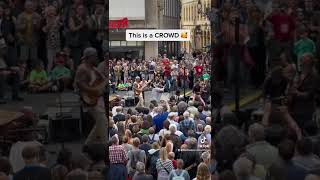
(62, 129)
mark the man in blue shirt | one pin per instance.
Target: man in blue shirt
(159, 118)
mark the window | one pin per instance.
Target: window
(140, 43)
(123, 43)
(115, 43)
(131, 43)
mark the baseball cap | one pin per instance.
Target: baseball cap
(88, 52)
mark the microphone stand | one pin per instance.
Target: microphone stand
(63, 133)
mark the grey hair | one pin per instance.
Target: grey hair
(140, 167)
(256, 132)
(242, 168)
(205, 156)
(172, 128)
(186, 114)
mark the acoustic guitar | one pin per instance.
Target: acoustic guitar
(90, 98)
(138, 91)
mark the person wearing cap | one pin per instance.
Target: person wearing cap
(86, 75)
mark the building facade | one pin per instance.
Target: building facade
(169, 19)
(198, 24)
(132, 14)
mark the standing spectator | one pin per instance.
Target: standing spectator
(303, 45)
(77, 38)
(52, 30)
(304, 157)
(141, 173)
(243, 169)
(283, 26)
(164, 165)
(179, 172)
(154, 155)
(8, 30)
(118, 160)
(145, 146)
(28, 27)
(135, 155)
(97, 29)
(8, 73)
(203, 172)
(291, 170)
(187, 124)
(264, 153)
(159, 118)
(32, 169)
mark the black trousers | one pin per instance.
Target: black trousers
(12, 80)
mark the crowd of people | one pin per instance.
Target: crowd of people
(42, 42)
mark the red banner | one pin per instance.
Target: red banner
(118, 24)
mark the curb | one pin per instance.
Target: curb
(246, 100)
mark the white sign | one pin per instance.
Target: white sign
(131, 9)
(157, 35)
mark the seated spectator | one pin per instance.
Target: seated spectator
(122, 86)
(38, 79)
(119, 116)
(60, 73)
(32, 169)
(179, 171)
(141, 173)
(304, 157)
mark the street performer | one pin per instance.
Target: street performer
(91, 85)
(138, 87)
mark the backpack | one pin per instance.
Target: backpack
(152, 161)
(176, 177)
(151, 140)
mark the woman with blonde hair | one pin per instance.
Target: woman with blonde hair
(203, 172)
(164, 165)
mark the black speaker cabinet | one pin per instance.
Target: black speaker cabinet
(64, 129)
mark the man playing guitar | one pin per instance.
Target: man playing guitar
(138, 87)
(91, 85)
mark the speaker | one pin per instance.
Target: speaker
(129, 101)
(62, 129)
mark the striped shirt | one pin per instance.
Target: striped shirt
(164, 166)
